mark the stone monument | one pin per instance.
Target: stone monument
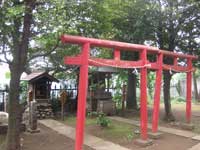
(33, 118)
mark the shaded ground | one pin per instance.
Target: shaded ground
(48, 139)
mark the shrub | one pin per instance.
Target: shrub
(103, 121)
(92, 114)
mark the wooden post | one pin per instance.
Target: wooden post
(82, 93)
(189, 91)
(63, 99)
(143, 96)
(123, 98)
(157, 92)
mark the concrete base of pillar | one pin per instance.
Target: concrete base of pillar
(155, 135)
(143, 143)
(33, 131)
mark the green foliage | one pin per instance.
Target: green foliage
(151, 84)
(103, 121)
(121, 79)
(2, 141)
(7, 75)
(92, 114)
(178, 100)
(56, 105)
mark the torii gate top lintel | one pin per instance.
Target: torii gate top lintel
(120, 45)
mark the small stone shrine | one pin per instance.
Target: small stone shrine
(39, 87)
(99, 97)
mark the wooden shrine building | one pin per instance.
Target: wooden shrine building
(39, 86)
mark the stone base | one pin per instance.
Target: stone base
(155, 135)
(143, 143)
(33, 131)
(23, 127)
(3, 128)
(196, 137)
(187, 126)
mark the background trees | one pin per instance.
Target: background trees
(30, 30)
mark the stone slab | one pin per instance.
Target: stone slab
(155, 135)
(195, 147)
(187, 126)
(143, 143)
(196, 138)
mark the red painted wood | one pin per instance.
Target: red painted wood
(189, 92)
(143, 97)
(177, 68)
(175, 61)
(117, 54)
(77, 60)
(120, 45)
(82, 93)
(156, 108)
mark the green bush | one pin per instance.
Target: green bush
(92, 114)
(103, 121)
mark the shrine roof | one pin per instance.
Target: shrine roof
(35, 76)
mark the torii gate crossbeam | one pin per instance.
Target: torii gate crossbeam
(84, 60)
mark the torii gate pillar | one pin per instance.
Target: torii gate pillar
(82, 94)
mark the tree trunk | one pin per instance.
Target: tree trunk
(166, 90)
(131, 100)
(196, 93)
(17, 66)
(13, 140)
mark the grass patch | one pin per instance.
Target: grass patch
(117, 132)
(2, 139)
(71, 121)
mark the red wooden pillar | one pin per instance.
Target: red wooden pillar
(143, 96)
(157, 92)
(117, 54)
(82, 93)
(189, 91)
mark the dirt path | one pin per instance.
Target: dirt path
(48, 139)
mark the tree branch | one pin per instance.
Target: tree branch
(45, 54)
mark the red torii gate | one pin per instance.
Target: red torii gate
(84, 60)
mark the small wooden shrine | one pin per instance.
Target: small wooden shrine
(39, 88)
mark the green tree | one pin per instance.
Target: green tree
(170, 19)
(133, 25)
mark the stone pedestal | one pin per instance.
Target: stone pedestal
(155, 135)
(33, 118)
(143, 143)
(106, 106)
